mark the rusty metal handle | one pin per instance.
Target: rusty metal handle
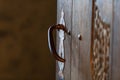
(51, 41)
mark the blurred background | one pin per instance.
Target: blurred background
(24, 53)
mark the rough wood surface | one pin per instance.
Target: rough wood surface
(66, 5)
(81, 24)
(116, 41)
(100, 55)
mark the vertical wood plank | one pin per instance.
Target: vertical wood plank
(116, 42)
(66, 5)
(81, 24)
(103, 14)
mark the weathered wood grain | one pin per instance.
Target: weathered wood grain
(116, 41)
(104, 9)
(81, 24)
(66, 5)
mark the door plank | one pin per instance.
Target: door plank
(66, 5)
(101, 47)
(81, 24)
(116, 42)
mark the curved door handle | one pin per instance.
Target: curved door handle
(51, 41)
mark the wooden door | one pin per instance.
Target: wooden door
(78, 21)
(95, 55)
